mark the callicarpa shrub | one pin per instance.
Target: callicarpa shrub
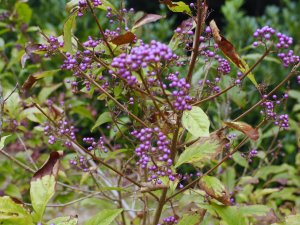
(169, 134)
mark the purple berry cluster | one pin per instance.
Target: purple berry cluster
(64, 129)
(52, 46)
(141, 57)
(169, 221)
(269, 106)
(83, 5)
(181, 94)
(79, 162)
(95, 145)
(223, 66)
(154, 153)
(282, 43)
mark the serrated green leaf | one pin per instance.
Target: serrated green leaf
(12, 213)
(180, 7)
(189, 219)
(103, 118)
(196, 122)
(67, 220)
(105, 217)
(198, 153)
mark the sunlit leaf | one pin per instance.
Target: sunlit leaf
(196, 122)
(198, 153)
(189, 219)
(67, 220)
(67, 34)
(180, 7)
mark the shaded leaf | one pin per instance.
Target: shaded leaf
(254, 210)
(12, 212)
(71, 6)
(31, 80)
(290, 220)
(103, 118)
(47, 91)
(123, 39)
(240, 160)
(169, 3)
(42, 185)
(105, 217)
(67, 32)
(146, 18)
(247, 129)
(229, 51)
(198, 153)
(196, 122)
(215, 189)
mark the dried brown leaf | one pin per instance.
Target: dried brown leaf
(146, 18)
(247, 129)
(123, 39)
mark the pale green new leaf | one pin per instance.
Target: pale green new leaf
(189, 219)
(196, 122)
(105, 217)
(103, 118)
(67, 220)
(198, 153)
(12, 213)
(180, 7)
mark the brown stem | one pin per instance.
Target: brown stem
(196, 43)
(100, 28)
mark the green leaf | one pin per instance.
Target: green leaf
(47, 91)
(180, 7)
(44, 74)
(42, 185)
(240, 160)
(2, 141)
(13, 213)
(106, 4)
(264, 172)
(295, 94)
(68, 26)
(229, 214)
(196, 122)
(254, 210)
(72, 5)
(198, 153)
(105, 217)
(103, 118)
(67, 220)
(24, 12)
(189, 219)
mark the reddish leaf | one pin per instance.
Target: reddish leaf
(245, 128)
(50, 167)
(168, 3)
(29, 82)
(226, 47)
(146, 18)
(123, 39)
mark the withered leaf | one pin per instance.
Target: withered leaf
(247, 129)
(146, 18)
(123, 39)
(215, 189)
(29, 82)
(168, 3)
(50, 167)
